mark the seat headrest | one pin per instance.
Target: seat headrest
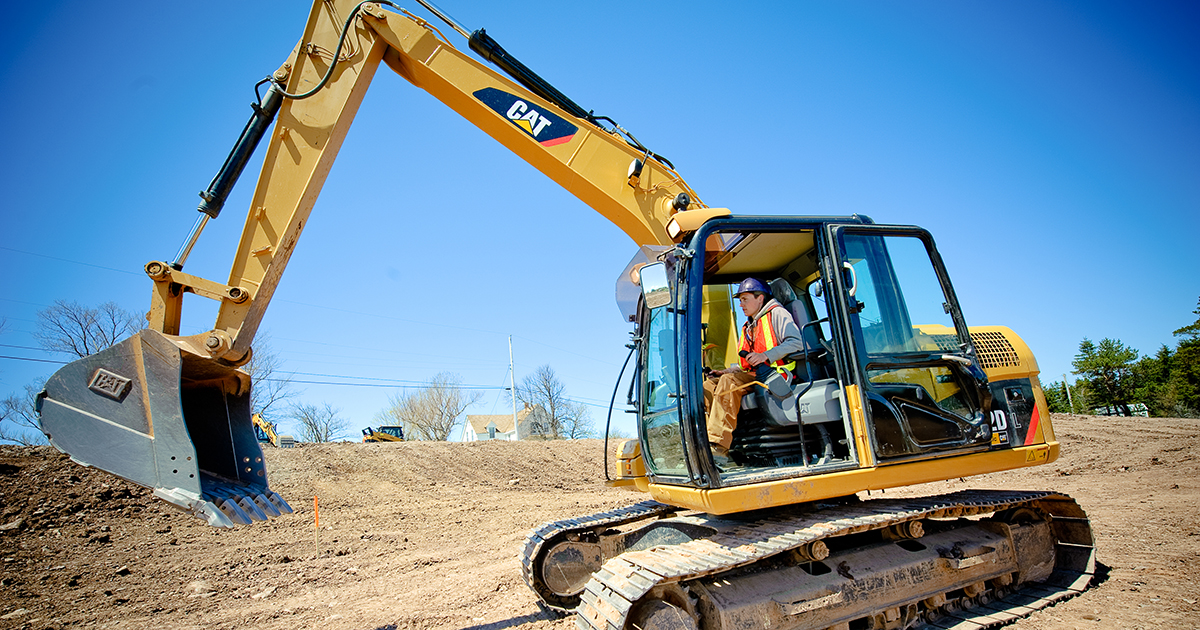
(782, 290)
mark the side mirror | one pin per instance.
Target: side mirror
(656, 291)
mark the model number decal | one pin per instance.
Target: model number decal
(999, 427)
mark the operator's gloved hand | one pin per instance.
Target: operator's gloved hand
(758, 361)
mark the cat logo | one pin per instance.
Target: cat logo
(547, 128)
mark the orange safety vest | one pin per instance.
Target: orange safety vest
(754, 342)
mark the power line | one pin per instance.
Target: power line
(344, 346)
(500, 393)
(402, 384)
(423, 323)
(2, 299)
(390, 380)
(389, 317)
(383, 382)
(380, 362)
(5, 345)
(74, 262)
(546, 345)
(589, 404)
(36, 360)
(388, 383)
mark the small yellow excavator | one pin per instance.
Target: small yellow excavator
(891, 387)
(385, 433)
(266, 433)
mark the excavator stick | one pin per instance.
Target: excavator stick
(161, 416)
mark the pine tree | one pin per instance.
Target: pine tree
(1108, 370)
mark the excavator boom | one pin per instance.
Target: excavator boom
(173, 413)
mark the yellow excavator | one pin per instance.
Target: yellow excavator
(891, 388)
(385, 433)
(265, 432)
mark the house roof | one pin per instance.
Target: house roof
(504, 422)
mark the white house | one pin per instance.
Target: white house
(531, 425)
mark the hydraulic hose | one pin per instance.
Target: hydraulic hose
(337, 51)
(611, 403)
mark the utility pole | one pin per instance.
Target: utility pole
(1066, 385)
(512, 386)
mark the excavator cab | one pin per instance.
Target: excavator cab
(888, 372)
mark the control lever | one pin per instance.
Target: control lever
(762, 371)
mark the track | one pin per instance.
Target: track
(544, 538)
(668, 581)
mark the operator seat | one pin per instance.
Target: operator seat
(777, 431)
(813, 349)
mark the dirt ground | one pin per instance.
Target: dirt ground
(425, 535)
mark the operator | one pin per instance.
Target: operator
(769, 335)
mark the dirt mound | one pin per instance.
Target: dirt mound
(415, 534)
(425, 535)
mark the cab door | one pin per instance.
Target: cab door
(924, 392)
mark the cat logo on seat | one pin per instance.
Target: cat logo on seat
(542, 125)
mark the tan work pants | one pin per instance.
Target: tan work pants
(722, 400)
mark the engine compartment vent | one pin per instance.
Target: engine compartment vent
(994, 350)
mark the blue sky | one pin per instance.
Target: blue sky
(1053, 149)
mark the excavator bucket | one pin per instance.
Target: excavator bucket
(163, 417)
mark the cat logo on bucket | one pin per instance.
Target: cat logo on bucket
(546, 127)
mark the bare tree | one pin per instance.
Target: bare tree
(19, 417)
(577, 421)
(567, 418)
(432, 412)
(76, 329)
(615, 433)
(270, 386)
(543, 388)
(319, 423)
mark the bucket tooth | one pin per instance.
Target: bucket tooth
(209, 512)
(252, 508)
(265, 505)
(278, 502)
(230, 509)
